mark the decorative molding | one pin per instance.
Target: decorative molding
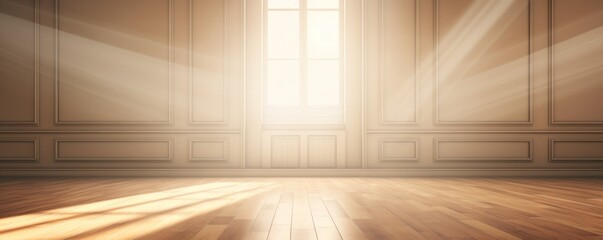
(287, 137)
(530, 74)
(58, 158)
(120, 132)
(309, 150)
(431, 131)
(551, 73)
(386, 159)
(555, 159)
(222, 158)
(36, 153)
(170, 77)
(225, 71)
(405, 172)
(382, 120)
(426, 131)
(36, 89)
(438, 159)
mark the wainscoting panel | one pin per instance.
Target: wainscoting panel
(483, 66)
(442, 87)
(208, 150)
(483, 150)
(322, 151)
(303, 149)
(566, 150)
(392, 82)
(403, 150)
(19, 150)
(106, 150)
(285, 151)
(19, 61)
(114, 70)
(212, 151)
(576, 62)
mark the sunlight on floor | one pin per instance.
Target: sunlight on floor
(131, 216)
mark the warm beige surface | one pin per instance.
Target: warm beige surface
(301, 208)
(176, 85)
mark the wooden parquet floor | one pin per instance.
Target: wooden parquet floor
(300, 208)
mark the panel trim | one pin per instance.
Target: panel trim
(382, 120)
(530, 74)
(438, 159)
(239, 132)
(334, 137)
(551, 73)
(271, 147)
(383, 159)
(35, 159)
(225, 71)
(60, 159)
(554, 159)
(36, 89)
(121, 131)
(193, 159)
(406, 172)
(170, 77)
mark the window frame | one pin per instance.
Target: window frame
(303, 113)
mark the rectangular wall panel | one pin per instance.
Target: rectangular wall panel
(114, 61)
(19, 150)
(399, 150)
(448, 150)
(483, 61)
(285, 152)
(19, 61)
(577, 61)
(576, 150)
(209, 61)
(322, 151)
(208, 150)
(113, 150)
(398, 50)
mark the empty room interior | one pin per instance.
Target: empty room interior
(301, 119)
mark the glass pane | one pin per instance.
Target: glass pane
(283, 4)
(323, 34)
(323, 82)
(323, 4)
(283, 34)
(282, 83)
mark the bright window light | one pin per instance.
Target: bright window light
(302, 72)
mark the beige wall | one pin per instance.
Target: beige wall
(177, 84)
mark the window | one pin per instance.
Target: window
(302, 61)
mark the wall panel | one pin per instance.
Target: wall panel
(576, 61)
(482, 150)
(322, 151)
(209, 61)
(19, 150)
(399, 62)
(19, 61)
(176, 85)
(135, 150)
(303, 149)
(399, 150)
(483, 61)
(563, 150)
(285, 151)
(208, 150)
(117, 68)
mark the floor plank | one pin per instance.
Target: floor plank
(301, 208)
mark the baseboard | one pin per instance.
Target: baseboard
(301, 173)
